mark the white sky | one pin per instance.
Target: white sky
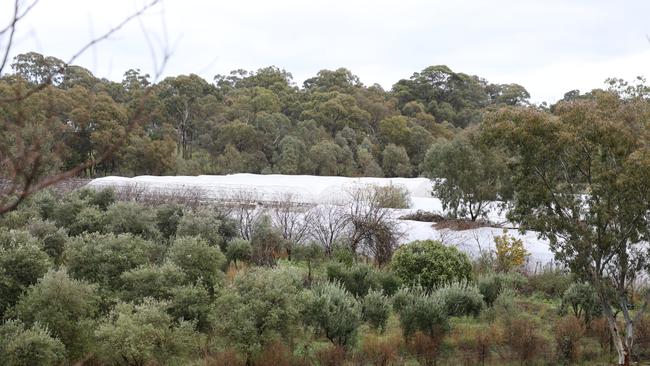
(549, 47)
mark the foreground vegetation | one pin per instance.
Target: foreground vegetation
(91, 280)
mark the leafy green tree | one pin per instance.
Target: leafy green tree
(395, 161)
(394, 130)
(267, 243)
(20, 346)
(65, 306)
(260, 306)
(468, 175)
(582, 179)
(200, 261)
(140, 334)
(431, 264)
(334, 312)
(102, 258)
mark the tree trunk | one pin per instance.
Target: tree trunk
(621, 348)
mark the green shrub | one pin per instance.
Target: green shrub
(266, 242)
(22, 263)
(102, 198)
(238, 250)
(192, 303)
(582, 300)
(52, 237)
(20, 346)
(259, 307)
(65, 306)
(420, 311)
(168, 217)
(358, 279)
(375, 309)
(66, 210)
(203, 223)
(200, 261)
(88, 220)
(431, 264)
(491, 285)
(387, 281)
(152, 280)
(334, 312)
(45, 202)
(102, 258)
(145, 334)
(460, 299)
(551, 283)
(131, 218)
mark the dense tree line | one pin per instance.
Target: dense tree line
(259, 122)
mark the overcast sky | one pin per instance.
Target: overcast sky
(549, 46)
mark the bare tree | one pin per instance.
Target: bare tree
(245, 208)
(33, 148)
(374, 230)
(291, 219)
(327, 225)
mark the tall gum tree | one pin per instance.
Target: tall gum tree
(582, 179)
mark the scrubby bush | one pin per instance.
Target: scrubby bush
(22, 263)
(474, 344)
(311, 253)
(581, 299)
(88, 220)
(551, 283)
(491, 285)
(238, 250)
(203, 223)
(357, 279)
(393, 196)
(168, 217)
(568, 332)
(334, 312)
(20, 346)
(419, 310)
(387, 281)
(266, 242)
(144, 334)
(200, 261)
(460, 299)
(152, 280)
(260, 306)
(192, 303)
(431, 264)
(52, 238)
(379, 352)
(102, 258)
(101, 198)
(65, 306)
(523, 337)
(66, 210)
(510, 252)
(375, 309)
(132, 218)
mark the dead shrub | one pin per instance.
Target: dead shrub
(228, 357)
(424, 348)
(275, 353)
(568, 332)
(331, 355)
(474, 345)
(379, 352)
(642, 338)
(599, 329)
(522, 336)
